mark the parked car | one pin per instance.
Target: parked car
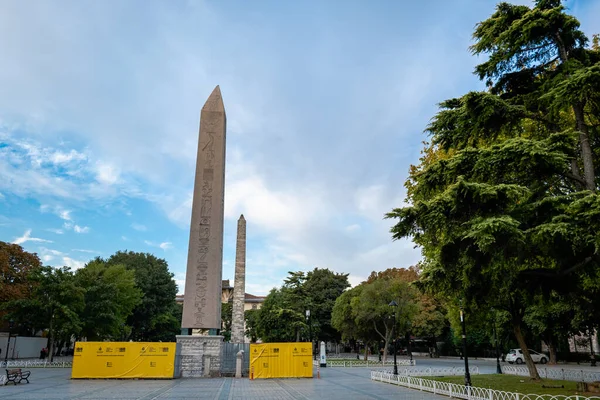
(516, 356)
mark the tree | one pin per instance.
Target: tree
(430, 319)
(226, 320)
(316, 291)
(323, 287)
(110, 297)
(251, 318)
(55, 304)
(16, 266)
(157, 310)
(503, 204)
(373, 308)
(363, 313)
(278, 319)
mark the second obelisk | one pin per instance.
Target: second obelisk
(202, 299)
(239, 287)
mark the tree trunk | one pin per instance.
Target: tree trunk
(584, 139)
(385, 349)
(586, 149)
(51, 338)
(533, 372)
(552, 350)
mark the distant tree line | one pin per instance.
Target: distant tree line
(129, 296)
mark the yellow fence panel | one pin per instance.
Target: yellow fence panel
(123, 360)
(281, 360)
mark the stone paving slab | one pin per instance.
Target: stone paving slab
(334, 384)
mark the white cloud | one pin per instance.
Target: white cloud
(80, 229)
(165, 245)
(48, 255)
(57, 231)
(86, 251)
(59, 157)
(124, 238)
(353, 228)
(27, 238)
(2, 197)
(139, 227)
(65, 214)
(73, 264)
(107, 174)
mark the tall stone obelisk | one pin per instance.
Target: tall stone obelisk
(239, 287)
(202, 299)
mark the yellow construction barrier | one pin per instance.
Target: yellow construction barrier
(123, 360)
(281, 360)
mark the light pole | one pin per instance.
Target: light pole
(393, 304)
(498, 369)
(464, 340)
(10, 326)
(310, 334)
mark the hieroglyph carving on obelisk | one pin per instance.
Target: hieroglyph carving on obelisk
(239, 287)
(202, 300)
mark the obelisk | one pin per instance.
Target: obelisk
(239, 287)
(202, 299)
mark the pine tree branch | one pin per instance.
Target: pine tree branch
(574, 177)
(563, 273)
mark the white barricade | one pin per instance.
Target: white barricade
(462, 391)
(562, 374)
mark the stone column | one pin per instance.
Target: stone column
(202, 299)
(239, 285)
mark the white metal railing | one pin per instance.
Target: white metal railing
(462, 391)
(367, 363)
(435, 371)
(575, 375)
(35, 364)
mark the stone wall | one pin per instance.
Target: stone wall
(200, 355)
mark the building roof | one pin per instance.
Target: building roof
(248, 298)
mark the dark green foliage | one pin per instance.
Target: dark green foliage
(226, 319)
(251, 318)
(283, 314)
(507, 211)
(154, 314)
(110, 296)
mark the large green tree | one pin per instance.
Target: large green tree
(283, 314)
(279, 319)
(155, 317)
(56, 304)
(110, 297)
(364, 312)
(504, 203)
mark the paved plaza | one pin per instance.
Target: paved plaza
(335, 383)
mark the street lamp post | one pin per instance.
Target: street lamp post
(498, 369)
(393, 304)
(409, 347)
(10, 326)
(310, 334)
(464, 340)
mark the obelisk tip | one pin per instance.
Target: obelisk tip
(215, 101)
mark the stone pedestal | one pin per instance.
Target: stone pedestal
(200, 355)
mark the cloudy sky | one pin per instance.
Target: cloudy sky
(326, 104)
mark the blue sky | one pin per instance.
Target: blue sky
(326, 104)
